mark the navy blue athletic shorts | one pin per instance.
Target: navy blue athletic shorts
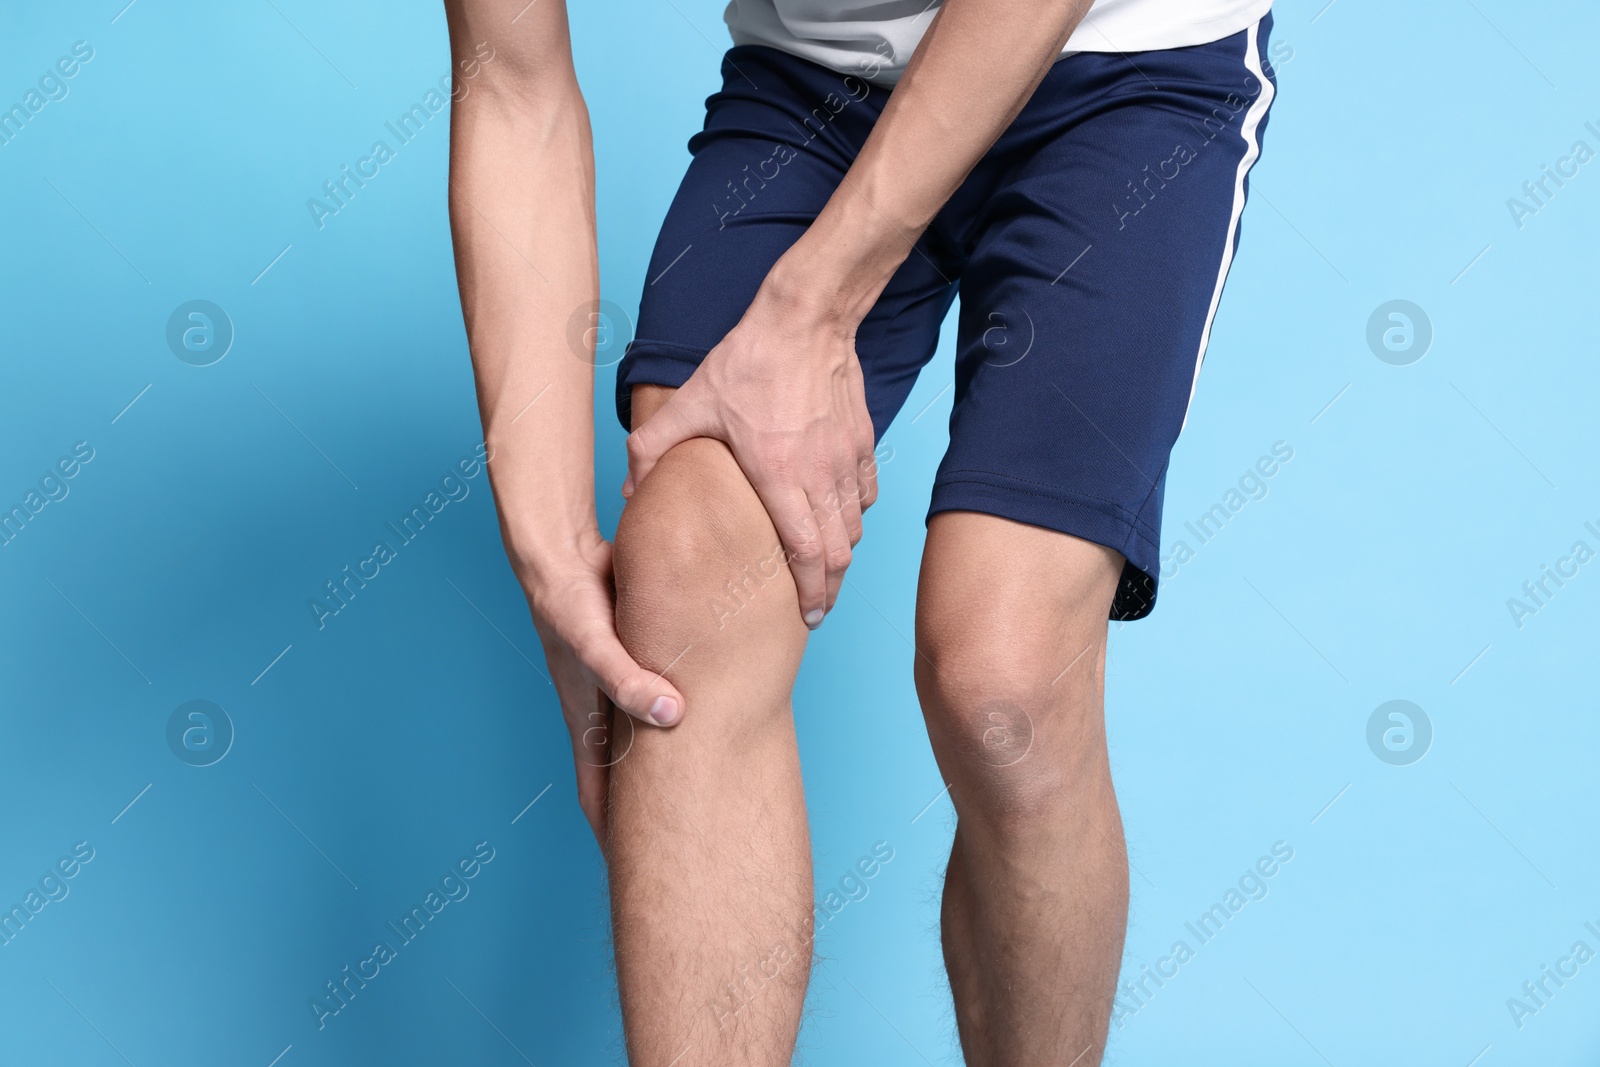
(1090, 246)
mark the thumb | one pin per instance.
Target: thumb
(676, 421)
(646, 696)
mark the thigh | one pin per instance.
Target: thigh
(1098, 259)
(777, 141)
(1011, 595)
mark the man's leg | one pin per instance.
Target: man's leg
(1011, 637)
(710, 860)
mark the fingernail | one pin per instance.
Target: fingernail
(814, 618)
(627, 486)
(664, 711)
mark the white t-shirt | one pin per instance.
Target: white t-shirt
(874, 39)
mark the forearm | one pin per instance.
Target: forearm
(522, 217)
(972, 73)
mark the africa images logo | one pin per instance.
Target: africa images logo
(453, 887)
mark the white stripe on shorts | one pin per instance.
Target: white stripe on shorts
(1252, 150)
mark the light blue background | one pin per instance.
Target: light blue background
(378, 751)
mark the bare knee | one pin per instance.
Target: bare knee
(703, 588)
(682, 529)
(1014, 746)
(1010, 668)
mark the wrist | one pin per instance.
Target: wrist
(546, 530)
(543, 483)
(545, 557)
(835, 272)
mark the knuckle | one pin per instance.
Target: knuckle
(775, 455)
(578, 638)
(625, 692)
(775, 470)
(803, 525)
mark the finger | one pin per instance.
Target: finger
(835, 543)
(646, 696)
(589, 722)
(802, 543)
(592, 795)
(849, 490)
(676, 421)
(867, 474)
(850, 511)
(866, 441)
